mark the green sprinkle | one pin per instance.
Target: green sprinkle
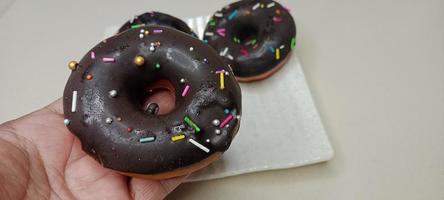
(212, 22)
(237, 40)
(293, 43)
(157, 66)
(146, 139)
(137, 25)
(191, 123)
(253, 42)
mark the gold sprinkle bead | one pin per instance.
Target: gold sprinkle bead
(139, 60)
(72, 65)
(146, 32)
(89, 77)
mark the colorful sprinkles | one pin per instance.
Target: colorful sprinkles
(200, 146)
(186, 90)
(191, 123)
(278, 54)
(137, 26)
(108, 60)
(293, 43)
(256, 6)
(157, 31)
(177, 137)
(226, 121)
(233, 15)
(147, 139)
(139, 60)
(221, 32)
(74, 101)
(222, 80)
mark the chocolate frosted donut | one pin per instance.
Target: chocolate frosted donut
(108, 105)
(253, 36)
(156, 19)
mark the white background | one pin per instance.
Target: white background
(375, 68)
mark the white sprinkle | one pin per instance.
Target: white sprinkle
(230, 57)
(270, 5)
(200, 146)
(112, 93)
(182, 80)
(142, 30)
(66, 121)
(226, 73)
(209, 34)
(238, 117)
(216, 122)
(141, 36)
(191, 48)
(217, 131)
(208, 140)
(282, 47)
(74, 101)
(218, 14)
(108, 120)
(224, 52)
(256, 6)
(152, 48)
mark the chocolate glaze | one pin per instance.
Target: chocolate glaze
(116, 145)
(264, 20)
(157, 19)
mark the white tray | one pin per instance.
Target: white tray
(280, 125)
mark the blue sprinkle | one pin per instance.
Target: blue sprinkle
(146, 139)
(232, 15)
(205, 41)
(272, 50)
(226, 111)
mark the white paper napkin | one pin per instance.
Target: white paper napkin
(280, 125)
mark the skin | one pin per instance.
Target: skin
(41, 159)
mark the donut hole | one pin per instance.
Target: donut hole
(159, 98)
(246, 33)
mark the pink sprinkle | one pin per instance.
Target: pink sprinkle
(245, 53)
(287, 8)
(108, 60)
(277, 19)
(158, 31)
(226, 121)
(93, 55)
(220, 71)
(186, 90)
(221, 32)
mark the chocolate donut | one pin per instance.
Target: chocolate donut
(156, 19)
(105, 103)
(254, 37)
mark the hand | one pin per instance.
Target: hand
(41, 159)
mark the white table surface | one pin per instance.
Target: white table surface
(375, 68)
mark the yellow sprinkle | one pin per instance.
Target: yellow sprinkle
(222, 80)
(278, 54)
(177, 137)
